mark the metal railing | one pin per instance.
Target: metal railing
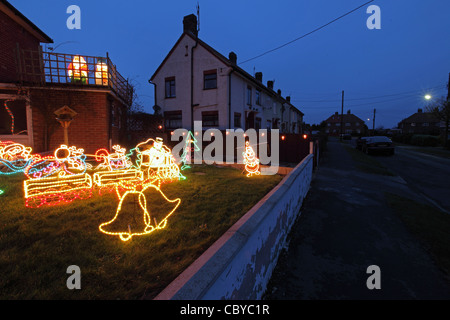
(81, 70)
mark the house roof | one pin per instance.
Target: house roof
(228, 63)
(347, 117)
(420, 117)
(17, 16)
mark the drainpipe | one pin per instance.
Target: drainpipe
(229, 98)
(154, 94)
(192, 82)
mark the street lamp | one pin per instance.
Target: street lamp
(427, 96)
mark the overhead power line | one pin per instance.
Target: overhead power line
(306, 34)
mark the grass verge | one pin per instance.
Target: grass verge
(430, 225)
(37, 245)
(366, 163)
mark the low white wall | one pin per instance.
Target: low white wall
(239, 265)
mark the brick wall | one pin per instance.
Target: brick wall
(12, 34)
(89, 130)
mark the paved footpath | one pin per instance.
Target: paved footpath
(346, 226)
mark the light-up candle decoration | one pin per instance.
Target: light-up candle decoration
(101, 72)
(250, 160)
(78, 70)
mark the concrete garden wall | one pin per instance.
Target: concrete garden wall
(240, 263)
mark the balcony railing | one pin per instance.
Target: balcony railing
(80, 70)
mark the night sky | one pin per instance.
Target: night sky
(390, 69)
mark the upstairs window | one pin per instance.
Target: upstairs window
(258, 97)
(170, 87)
(210, 79)
(249, 95)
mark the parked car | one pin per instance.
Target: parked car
(378, 144)
(359, 142)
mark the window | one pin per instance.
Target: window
(338, 124)
(329, 124)
(249, 95)
(237, 120)
(269, 124)
(413, 124)
(258, 97)
(210, 118)
(425, 124)
(347, 124)
(173, 119)
(257, 123)
(170, 87)
(210, 79)
(357, 124)
(18, 112)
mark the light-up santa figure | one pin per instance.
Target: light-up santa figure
(101, 72)
(78, 70)
(251, 161)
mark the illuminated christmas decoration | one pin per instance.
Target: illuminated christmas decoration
(5, 104)
(109, 179)
(156, 160)
(78, 70)
(250, 160)
(57, 190)
(189, 148)
(1, 192)
(101, 72)
(149, 223)
(14, 157)
(66, 161)
(113, 161)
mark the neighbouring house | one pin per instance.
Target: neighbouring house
(195, 82)
(34, 84)
(350, 123)
(420, 123)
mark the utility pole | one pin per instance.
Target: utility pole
(342, 117)
(373, 124)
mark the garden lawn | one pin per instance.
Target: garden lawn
(38, 245)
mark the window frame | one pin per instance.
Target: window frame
(168, 94)
(210, 114)
(209, 73)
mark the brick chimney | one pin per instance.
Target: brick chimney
(232, 57)
(190, 24)
(348, 111)
(419, 110)
(279, 92)
(288, 99)
(258, 76)
(270, 84)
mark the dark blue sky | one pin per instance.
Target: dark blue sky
(388, 69)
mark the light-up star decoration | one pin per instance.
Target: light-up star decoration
(251, 161)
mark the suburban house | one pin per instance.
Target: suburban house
(350, 123)
(42, 92)
(195, 82)
(420, 123)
